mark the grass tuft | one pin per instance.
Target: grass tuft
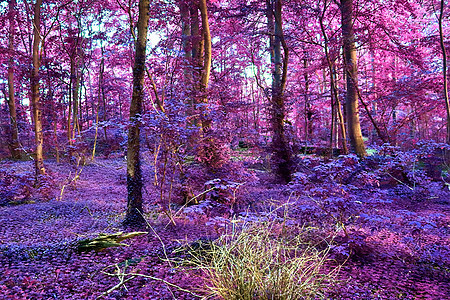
(260, 260)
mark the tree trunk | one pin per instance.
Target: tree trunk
(206, 120)
(100, 96)
(103, 97)
(336, 104)
(197, 41)
(308, 109)
(75, 96)
(37, 113)
(351, 71)
(14, 143)
(444, 69)
(197, 64)
(69, 112)
(343, 136)
(281, 152)
(186, 36)
(134, 173)
(210, 150)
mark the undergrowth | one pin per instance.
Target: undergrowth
(262, 260)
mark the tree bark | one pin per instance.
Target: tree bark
(444, 69)
(100, 96)
(307, 104)
(69, 112)
(343, 137)
(186, 36)
(75, 77)
(206, 71)
(351, 71)
(134, 213)
(35, 101)
(197, 42)
(197, 64)
(14, 143)
(280, 147)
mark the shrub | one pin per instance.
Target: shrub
(15, 188)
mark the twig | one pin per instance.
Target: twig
(159, 238)
(122, 275)
(189, 201)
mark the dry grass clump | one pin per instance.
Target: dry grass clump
(260, 260)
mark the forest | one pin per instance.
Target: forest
(224, 149)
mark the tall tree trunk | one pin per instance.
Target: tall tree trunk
(69, 111)
(444, 69)
(100, 96)
(197, 65)
(343, 136)
(336, 104)
(37, 113)
(351, 71)
(206, 120)
(308, 109)
(75, 95)
(103, 97)
(186, 36)
(197, 41)
(80, 104)
(281, 151)
(14, 143)
(105, 110)
(210, 151)
(134, 173)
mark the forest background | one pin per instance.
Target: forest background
(204, 100)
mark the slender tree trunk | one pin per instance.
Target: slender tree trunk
(14, 143)
(134, 173)
(351, 71)
(343, 136)
(105, 108)
(75, 96)
(393, 133)
(334, 91)
(52, 117)
(99, 99)
(69, 112)
(80, 104)
(210, 150)
(444, 69)
(206, 120)
(281, 151)
(35, 101)
(308, 114)
(103, 97)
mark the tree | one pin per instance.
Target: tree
(351, 72)
(335, 102)
(134, 173)
(280, 147)
(444, 69)
(37, 113)
(14, 144)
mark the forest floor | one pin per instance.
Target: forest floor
(396, 242)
